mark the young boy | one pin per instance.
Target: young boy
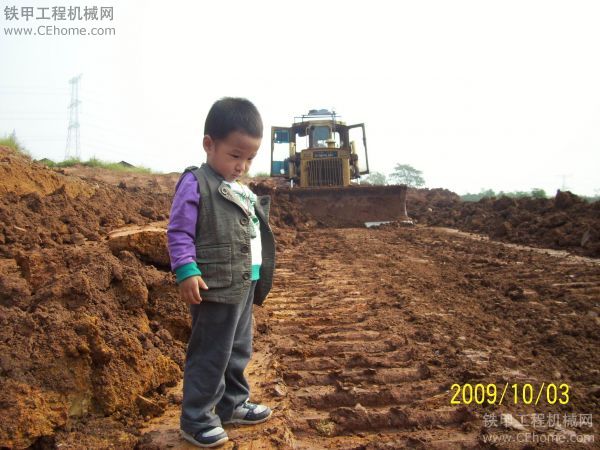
(220, 242)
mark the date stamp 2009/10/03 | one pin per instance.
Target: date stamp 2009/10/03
(527, 394)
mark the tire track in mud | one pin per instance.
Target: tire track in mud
(353, 370)
(365, 331)
(370, 328)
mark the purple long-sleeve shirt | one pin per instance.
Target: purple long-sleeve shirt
(181, 230)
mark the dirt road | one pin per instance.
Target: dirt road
(366, 331)
(364, 341)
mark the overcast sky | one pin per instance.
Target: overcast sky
(476, 94)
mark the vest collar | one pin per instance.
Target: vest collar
(209, 169)
(223, 189)
(226, 192)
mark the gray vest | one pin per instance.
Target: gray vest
(223, 241)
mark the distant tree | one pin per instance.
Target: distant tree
(376, 178)
(517, 194)
(489, 193)
(538, 193)
(468, 197)
(593, 198)
(406, 174)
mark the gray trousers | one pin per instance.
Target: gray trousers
(218, 351)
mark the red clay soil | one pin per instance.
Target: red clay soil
(357, 346)
(90, 340)
(564, 222)
(162, 183)
(85, 334)
(369, 330)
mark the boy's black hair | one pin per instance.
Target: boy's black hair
(231, 114)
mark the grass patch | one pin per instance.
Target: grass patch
(95, 162)
(13, 143)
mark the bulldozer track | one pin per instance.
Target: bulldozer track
(369, 329)
(349, 365)
(358, 345)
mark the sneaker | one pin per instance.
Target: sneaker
(249, 414)
(213, 437)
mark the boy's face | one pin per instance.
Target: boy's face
(232, 156)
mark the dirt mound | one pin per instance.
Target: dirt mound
(20, 175)
(92, 330)
(564, 222)
(84, 332)
(421, 199)
(51, 209)
(78, 338)
(160, 183)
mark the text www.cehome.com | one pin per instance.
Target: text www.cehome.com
(52, 30)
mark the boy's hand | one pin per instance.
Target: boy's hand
(189, 289)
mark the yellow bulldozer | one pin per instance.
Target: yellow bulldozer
(323, 159)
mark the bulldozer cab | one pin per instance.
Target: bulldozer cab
(319, 150)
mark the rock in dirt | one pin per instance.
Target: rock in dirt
(148, 407)
(149, 243)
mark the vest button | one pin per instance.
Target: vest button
(246, 276)
(244, 221)
(245, 249)
(264, 201)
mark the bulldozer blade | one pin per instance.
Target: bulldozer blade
(354, 206)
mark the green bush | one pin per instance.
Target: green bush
(12, 142)
(489, 193)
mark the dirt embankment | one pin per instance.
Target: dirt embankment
(88, 337)
(564, 222)
(92, 332)
(135, 181)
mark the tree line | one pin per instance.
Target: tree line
(402, 174)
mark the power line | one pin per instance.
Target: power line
(31, 118)
(100, 141)
(38, 137)
(41, 138)
(108, 132)
(32, 86)
(62, 94)
(25, 111)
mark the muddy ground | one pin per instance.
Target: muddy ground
(358, 345)
(564, 221)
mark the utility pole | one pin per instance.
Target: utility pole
(73, 128)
